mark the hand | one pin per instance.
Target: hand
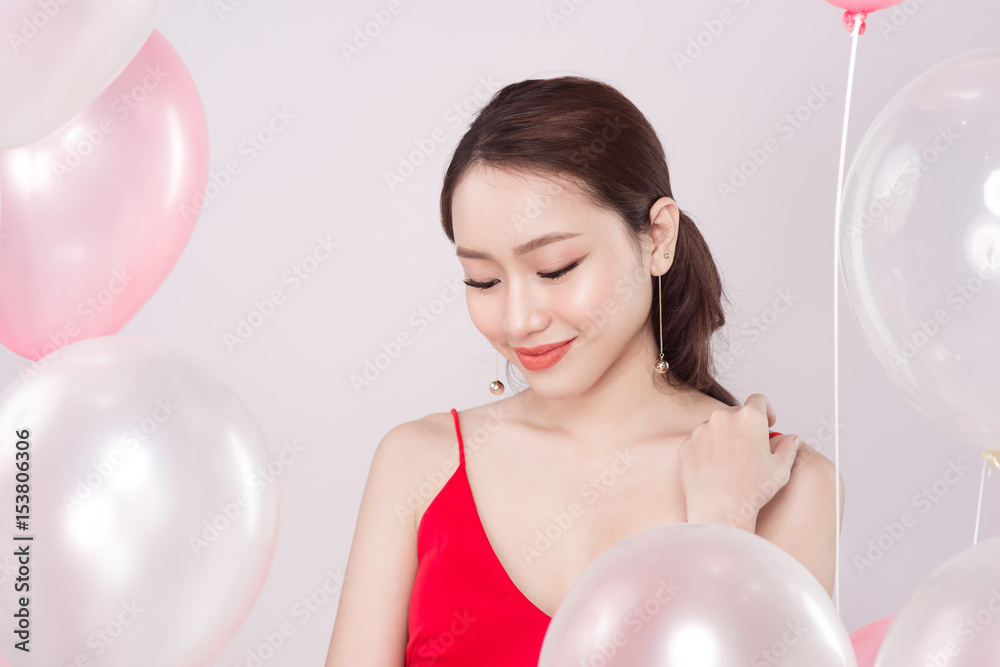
(728, 469)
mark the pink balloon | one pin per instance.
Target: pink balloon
(854, 8)
(94, 216)
(868, 639)
(863, 6)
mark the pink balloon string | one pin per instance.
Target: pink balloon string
(857, 29)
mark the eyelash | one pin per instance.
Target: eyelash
(551, 276)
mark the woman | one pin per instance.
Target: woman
(582, 272)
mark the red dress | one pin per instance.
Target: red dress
(464, 608)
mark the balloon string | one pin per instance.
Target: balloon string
(990, 458)
(858, 22)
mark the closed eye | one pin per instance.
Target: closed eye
(556, 274)
(550, 276)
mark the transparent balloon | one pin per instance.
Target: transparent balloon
(920, 244)
(696, 594)
(952, 617)
(151, 529)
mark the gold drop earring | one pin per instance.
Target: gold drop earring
(497, 386)
(662, 365)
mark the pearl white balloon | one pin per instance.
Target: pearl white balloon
(953, 617)
(57, 56)
(153, 529)
(696, 595)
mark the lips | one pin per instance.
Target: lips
(540, 349)
(543, 356)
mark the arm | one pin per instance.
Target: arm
(800, 517)
(370, 628)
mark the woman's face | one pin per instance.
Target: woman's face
(543, 266)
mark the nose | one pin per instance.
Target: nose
(524, 313)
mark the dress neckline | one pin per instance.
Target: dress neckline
(461, 470)
(482, 529)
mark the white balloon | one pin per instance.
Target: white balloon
(152, 526)
(953, 617)
(696, 595)
(58, 56)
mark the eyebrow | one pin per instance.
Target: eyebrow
(522, 249)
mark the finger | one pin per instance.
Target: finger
(760, 402)
(787, 448)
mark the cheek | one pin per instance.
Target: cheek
(485, 314)
(605, 298)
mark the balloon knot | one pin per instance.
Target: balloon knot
(850, 17)
(992, 456)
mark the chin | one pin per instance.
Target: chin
(556, 386)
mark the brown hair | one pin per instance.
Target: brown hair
(561, 126)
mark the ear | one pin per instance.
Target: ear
(664, 216)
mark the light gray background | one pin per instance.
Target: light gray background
(324, 175)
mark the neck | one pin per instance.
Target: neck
(628, 403)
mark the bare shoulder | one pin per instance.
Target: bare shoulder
(371, 623)
(418, 456)
(411, 443)
(815, 464)
(813, 480)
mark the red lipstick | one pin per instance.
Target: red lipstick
(541, 357)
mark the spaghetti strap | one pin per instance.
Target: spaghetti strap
(458, 432)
